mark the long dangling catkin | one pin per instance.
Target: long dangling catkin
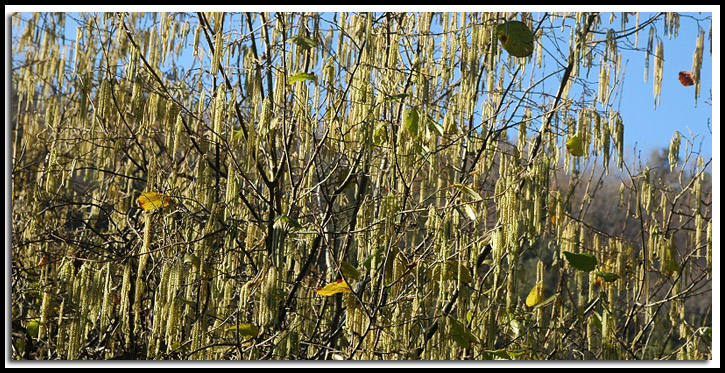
(658, 71)
(143, 258)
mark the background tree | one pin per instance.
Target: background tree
(347, 186)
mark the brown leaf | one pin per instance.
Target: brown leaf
(686, 78)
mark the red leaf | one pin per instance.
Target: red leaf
(686, 78)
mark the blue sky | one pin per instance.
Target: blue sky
(648, 127)
(645, 126)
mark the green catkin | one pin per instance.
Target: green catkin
(697, 61)
(124, 303)
(61, 338)
(218, 47)
(172, 324)
(659, 58)
(674, 153)
(175, 308)
(44, 311)
(106, 312)
(605, 146)
(591, 321)
(619, 140)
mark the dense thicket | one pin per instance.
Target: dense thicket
(405, 158)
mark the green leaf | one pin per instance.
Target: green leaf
(468, 211)
(301, 77)
(452, 272)
(379, 258)
(349, 271)
(193, 259)
(668, 261)
(412, 122)
(238, 134)
(596, 320)
(186, 301)
(396, 97)
(581, 261)
(380, 133)
(33, 328)
(303, 42)
(516, 38)
(501, 354)
(706, 332)
(465, 189)
(280, 220)
(435, 126)
(245, 330)
(515, 353)
(607, 276)
(546, 301)
(465, 273)
(376, 255)
(460, 334)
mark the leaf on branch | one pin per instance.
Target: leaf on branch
(153, 200)
(460, 334)
(245, 330)
(396, 97)
(596, 320)
(536, 295)
(379, 257)
(451, 272)
(465, 189)
(575, 146)
(581, 261)
(303, 42)
(380, 133)
(516, 38)
(339, 286)
(470, 212)
(412, 122)
(349, 271)
(282, 219)
(33, 327)
(185, 301)
(196, 262)
(686, 78)
(502, 354)
(435, 126)
(301, 77)
(547, 301)
(607, 276)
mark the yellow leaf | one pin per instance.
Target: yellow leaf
(536, 295)
(338, 286)
(33, 327)
(245, 330)
(575, 146)
(153, 200)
